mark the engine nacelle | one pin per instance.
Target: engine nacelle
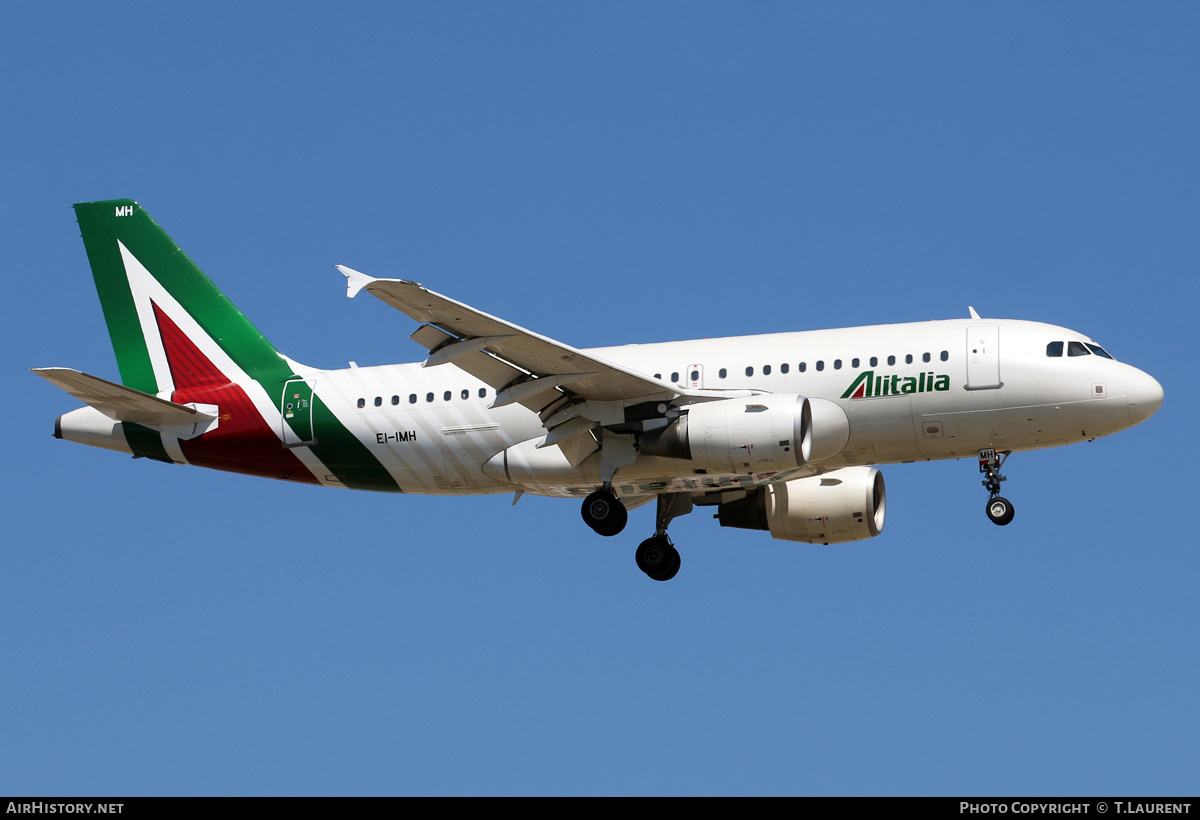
(753, 434)
(840, 506)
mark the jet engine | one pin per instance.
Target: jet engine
(840, 506)
(753, 434)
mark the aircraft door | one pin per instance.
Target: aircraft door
(694, 377)
(983, 357)
(295, 410)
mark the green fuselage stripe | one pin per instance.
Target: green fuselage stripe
(346, 456)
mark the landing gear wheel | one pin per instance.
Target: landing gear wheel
(1000, 510)
(617, 525)
(658, 558)
(673, 569)
(604, 513)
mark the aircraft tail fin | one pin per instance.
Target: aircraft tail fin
(171, 328)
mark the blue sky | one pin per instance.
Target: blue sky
(605, 173)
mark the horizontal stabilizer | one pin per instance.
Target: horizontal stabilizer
(119, 402)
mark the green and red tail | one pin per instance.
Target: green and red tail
(141, 276)
(177, 337)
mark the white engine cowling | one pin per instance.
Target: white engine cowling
(753, 434)
(757, 434)
(839, 506)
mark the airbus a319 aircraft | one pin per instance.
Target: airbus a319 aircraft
(778, 432)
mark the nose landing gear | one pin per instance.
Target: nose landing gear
(999, 509)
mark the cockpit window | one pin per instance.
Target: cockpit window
(1054, 349)
(1099, 351)
(1077, 349)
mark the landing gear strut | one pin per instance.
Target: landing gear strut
(604, 513)
(657, 556)
(999, 509)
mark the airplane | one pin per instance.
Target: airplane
(781, 432)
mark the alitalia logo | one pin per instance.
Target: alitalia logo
(869, 386)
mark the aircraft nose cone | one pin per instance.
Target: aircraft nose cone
(1145, 396)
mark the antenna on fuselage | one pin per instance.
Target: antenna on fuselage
(974, 315)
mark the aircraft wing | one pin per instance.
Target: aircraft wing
(522, 365)
(118, 402)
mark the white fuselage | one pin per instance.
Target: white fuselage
(936, 390)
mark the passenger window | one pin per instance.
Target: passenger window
(837, 364)
(1077, 349)
(379, 401)
(803, 366)
(891, 360)
(1054, 349)
(854, 363)
(874, 361)
(1099, 351)
(466, 394)
(658, 376)
(428, 397)
(482, 392)
(412, 398)
(945, 355)
(695, 375)
(749, 371)
(675, 377)
(395, 399)
(446, 396)
(362, 403)
(908, 359)
(820, 365)
(783, 368)
(722, 373)
(766, 370)
(925, 357)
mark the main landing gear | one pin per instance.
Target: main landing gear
(604, 513)
(999, 509)
(656, 556)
